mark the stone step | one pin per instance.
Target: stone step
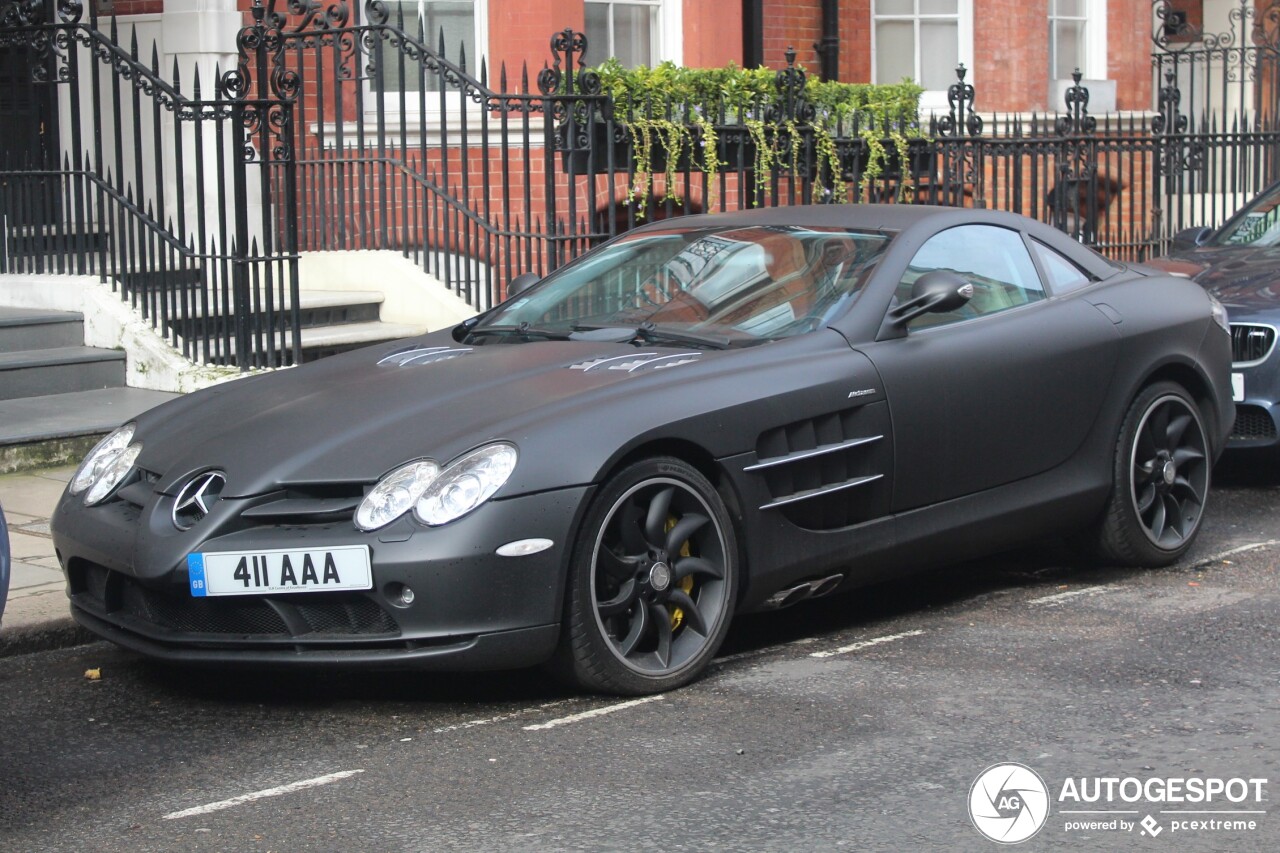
(59, 370)
(321, 341)
(315, 308)
(57, 429)
(38, 328)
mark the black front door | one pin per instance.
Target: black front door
(28, 124)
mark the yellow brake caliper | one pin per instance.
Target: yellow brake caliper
(686, 584)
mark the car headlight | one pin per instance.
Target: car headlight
(395, 494)
(1219, 313)
(466, 484)
(106, 466)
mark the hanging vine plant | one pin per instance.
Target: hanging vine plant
(676, 118)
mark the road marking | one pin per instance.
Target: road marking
(471, 724)
(767, 650)
(1061, 597)
(594, 712)
(1238, 550)
(269, 792)
(864, 644)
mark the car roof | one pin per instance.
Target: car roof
(874, 217)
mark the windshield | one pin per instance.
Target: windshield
(729, 285)
(1256, 225)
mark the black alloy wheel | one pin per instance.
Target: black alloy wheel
(653, 581)
(1162, 471)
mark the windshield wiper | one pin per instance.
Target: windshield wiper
(652, 333)
(524, 330)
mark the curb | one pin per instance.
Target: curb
(46, 636)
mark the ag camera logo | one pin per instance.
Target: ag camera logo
(1008, 803)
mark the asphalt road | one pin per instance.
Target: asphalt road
(853, 723)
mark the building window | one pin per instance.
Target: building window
(456, 19)
(1077, 38)
(1067, 38)
(636, 32)
(922, 39)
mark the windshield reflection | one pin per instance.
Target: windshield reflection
(742, 285)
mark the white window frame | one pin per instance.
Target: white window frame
(412, 108)
(1094, 66)
(933, 100)
(669, 35)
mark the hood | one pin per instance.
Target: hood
(351, 418)
(1243, 278)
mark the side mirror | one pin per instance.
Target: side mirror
(1189, 238)
(522, 283)
(937, 291)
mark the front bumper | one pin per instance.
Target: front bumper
(471, 609)
(1257, 424)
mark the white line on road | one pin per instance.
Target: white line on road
(1060, 597)
(767, 650)
(258, 795)
(594, 712)
(1222, 556)
(864, 644)
(471, 724)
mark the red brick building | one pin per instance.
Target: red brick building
(1016, 50)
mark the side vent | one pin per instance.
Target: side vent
(827, 472)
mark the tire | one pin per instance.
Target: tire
(1160, 483)
(652, 583)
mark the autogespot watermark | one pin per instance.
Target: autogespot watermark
(1009, 803)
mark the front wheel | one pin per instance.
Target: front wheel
(1161, 480)
(652, 583)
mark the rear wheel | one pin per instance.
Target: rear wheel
(652, 583)
(1161, 480)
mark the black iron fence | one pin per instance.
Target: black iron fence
(194, 191)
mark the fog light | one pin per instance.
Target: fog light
(399, 594)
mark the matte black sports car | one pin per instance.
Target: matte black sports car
(1239, 263)
(705, 416)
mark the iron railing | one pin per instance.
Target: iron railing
(347, 128)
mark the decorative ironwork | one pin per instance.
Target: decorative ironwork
(1077, 121)
(960, 97)
(1237, 68)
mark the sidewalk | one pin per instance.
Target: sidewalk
(37, 615)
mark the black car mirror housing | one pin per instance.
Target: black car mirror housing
(937, 291)
(1190, 238)
(521, 283)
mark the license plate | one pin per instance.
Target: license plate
(279, 570)
(1237, 387)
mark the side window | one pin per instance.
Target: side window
(993, 259)
(1063, 275)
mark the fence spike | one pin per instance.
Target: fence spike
(177, 76)
(524, 78)
(484, 72)
(502, 76)
(441, 53)
(196, 85)
(462, 56)
(133, 44)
